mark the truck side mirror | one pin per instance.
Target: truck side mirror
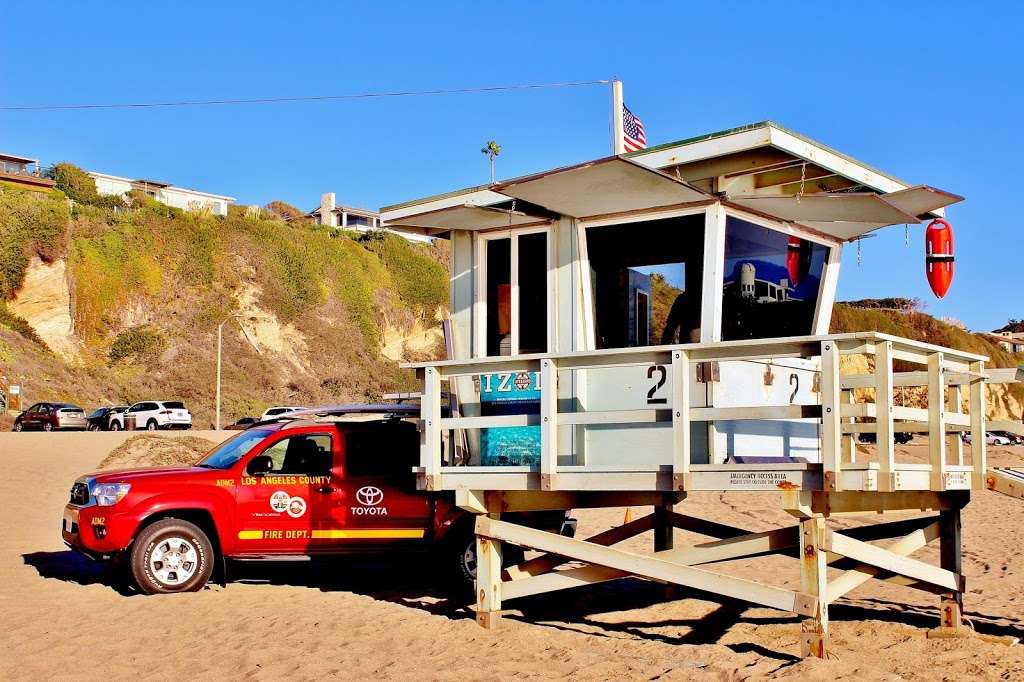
(260, 465)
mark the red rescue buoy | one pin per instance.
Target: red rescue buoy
(798, 260)
(938, 256)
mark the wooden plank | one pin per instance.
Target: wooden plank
(814, 582)
(700, 526)
(885, 445)
(848, 451)
(548, 424)
(906, 545)
(951, 559)
(1006, 481)
(811, 502)
(649, 567)
(680, 419)
(937, 421)
(978, 446)
(831, 419)
(612, 536)
(997, 375)
(488, 580)
(704, 414)
(483, 501)
(888, 561)
(430, 436)
(756, 544)
(496, 421)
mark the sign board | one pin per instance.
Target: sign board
(14, 390)
(510, 393)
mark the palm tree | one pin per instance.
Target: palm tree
(491, 150)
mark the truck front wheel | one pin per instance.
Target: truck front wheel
(171, 556)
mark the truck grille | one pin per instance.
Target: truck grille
(80, 493)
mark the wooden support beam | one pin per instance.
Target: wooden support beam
(885, 445)
(488, 580)
(950, 558)
(755, 544)
(548, 424)
(430, 434)
(831, 419)
(663, 530)
(937, 421)
(814, 581)
(680, 420)
(861, 573)
(954, 444)
(712, 529)
(813, 502)
(849, 440)
(649, 567)
(612, 536)
(888, 561)
(978, 445)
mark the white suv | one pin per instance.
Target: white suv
(152, 415)
(280, 411)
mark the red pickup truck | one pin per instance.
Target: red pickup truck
(336, 482)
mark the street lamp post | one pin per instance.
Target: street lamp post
(220, 345)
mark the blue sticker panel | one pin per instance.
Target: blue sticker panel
(504, 394)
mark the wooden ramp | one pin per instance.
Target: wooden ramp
(1006, 481)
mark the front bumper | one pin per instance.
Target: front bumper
(92, 531)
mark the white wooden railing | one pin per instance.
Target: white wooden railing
(946, 375)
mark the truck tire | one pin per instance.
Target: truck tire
(171, 555)
(461, 553)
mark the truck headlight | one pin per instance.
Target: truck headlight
(107, 494)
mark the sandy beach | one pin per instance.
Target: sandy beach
(371, 618)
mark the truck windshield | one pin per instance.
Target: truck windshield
(230, 451)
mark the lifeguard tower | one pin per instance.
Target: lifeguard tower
(632, 329)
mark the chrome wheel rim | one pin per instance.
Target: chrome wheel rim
(173, 561)
(469, 559)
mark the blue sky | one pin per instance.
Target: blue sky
(930, 92)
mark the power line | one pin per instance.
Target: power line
(311, 98)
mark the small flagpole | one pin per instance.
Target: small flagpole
(618, 141)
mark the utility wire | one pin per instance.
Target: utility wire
(312, 98)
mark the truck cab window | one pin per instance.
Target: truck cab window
(308, 455)
(384, 450)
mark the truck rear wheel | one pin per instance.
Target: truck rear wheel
(171, 556)
(462, 559)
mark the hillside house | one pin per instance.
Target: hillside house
(351, 218)
(165, 193)
(1011, 342)
(22, 171)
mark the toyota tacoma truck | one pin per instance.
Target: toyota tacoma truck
(335, 482)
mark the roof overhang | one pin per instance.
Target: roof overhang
(468, 217)
(604, 187)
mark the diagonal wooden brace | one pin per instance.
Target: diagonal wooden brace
(649, 567)
(861, 573)
(892, 562)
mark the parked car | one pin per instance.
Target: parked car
(241, 424)
(99, 420)
(1012, 437)
(282, 490)
(51, 417)
(279, 411)
(991, 438)
(154, 414)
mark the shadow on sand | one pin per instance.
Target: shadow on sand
(412, 581)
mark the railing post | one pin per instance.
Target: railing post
(430, 432)
(954, 444)
(978, 445)
(884, 442)
(937, 421)
(831, 421)
(849, 440)
(680, 420)
(548, 424)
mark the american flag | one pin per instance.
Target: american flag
(632, 131)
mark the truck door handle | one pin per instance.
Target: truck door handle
(325, 489)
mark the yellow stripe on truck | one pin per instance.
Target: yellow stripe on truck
(353, 534)
(375, 533)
